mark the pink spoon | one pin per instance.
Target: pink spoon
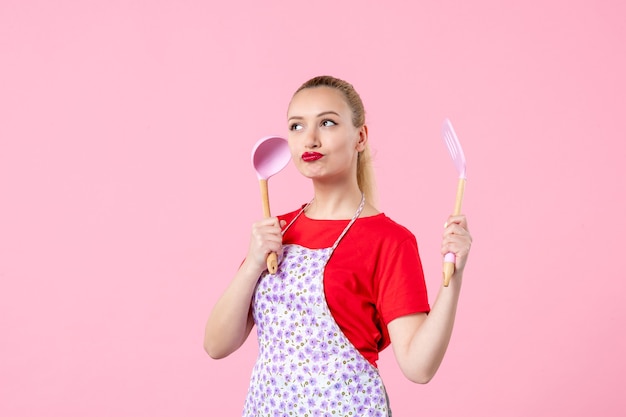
(269, 156)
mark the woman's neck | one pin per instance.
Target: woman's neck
(334, 203)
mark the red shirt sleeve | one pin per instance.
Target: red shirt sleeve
(402, 287)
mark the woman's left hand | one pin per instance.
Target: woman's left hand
(457, 239)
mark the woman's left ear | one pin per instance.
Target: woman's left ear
(360, 145)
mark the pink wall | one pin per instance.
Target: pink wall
(127, 192)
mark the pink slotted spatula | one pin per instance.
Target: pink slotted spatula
(458, 157)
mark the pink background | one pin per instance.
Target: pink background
(127, 191)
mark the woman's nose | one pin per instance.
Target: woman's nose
(312, 139)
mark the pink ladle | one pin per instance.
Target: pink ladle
(269, 156)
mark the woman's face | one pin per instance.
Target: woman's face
(323, 141)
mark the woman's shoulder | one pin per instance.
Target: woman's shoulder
(384, 224)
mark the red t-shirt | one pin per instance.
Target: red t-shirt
(374, 276)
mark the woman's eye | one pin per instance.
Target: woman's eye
(328, 123)
(295, 126)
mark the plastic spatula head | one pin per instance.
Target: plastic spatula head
(454, 147)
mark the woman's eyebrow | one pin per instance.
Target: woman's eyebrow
(324, 113)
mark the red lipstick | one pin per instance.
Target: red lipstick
(311, 156)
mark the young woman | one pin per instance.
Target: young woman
(349, 283)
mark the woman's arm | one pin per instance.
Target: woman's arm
(230, 321)
(419, 340)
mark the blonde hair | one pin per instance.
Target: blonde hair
(364, 167)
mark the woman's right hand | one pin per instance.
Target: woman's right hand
(230, 321)
(266, 237)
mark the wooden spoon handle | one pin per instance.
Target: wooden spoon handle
(272, 258)
(448, 267)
